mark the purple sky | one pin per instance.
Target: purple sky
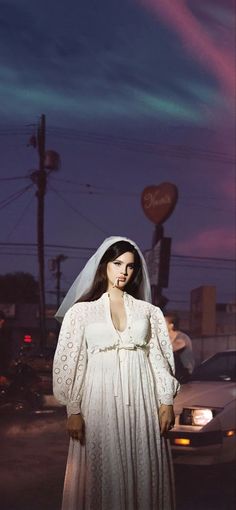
(108, 74)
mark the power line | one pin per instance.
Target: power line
(185, 266)
(14, 196)
(135, 195)
(91, 189)
(25, 129)
(192, 257)
(14, 178)
(26, 254)
(89, 248)
(106, 136)
(168, 150)
(79, 257)
(19, 220)
(134, 144)
(170, 300)
(78, 212)
(48, 245)
(94, 189)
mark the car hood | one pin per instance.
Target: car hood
(205, 393)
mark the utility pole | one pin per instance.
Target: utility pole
(39, 177)
(57, 265)
(42, 183)
(48, 161)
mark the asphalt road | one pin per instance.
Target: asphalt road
(32, 462)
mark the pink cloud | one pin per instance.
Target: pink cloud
(228, 187)
(217, 242)
(196, 39)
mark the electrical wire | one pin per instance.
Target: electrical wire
(170, 300)
(198, 257)
(74, 131)
(48, 245)
(91, 189)
(13, 178)
(79, 257)
(19, 220)
(135, 195)
(134, 144)
(14, 196)
(191, 266)
(78, 212)
(26, 254)
(93, 249)
(168, 150)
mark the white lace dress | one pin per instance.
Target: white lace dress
(117, 381)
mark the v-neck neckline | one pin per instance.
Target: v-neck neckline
(108, 308)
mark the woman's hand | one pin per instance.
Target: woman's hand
(76, 427)
(166, 418)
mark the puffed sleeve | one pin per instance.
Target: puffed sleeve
(70, 361)
(161, 358)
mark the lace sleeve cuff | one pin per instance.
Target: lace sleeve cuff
(166, 399)
(73, 408)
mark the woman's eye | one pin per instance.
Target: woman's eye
(117, 263)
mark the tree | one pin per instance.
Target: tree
(18, 287)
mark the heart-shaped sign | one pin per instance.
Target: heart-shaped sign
(158, 202)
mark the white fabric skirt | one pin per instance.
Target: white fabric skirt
(124, 464)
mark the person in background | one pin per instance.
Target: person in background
(182, 348)
(5, 345)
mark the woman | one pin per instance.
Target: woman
(113, 369)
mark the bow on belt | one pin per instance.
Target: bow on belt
(125, 381)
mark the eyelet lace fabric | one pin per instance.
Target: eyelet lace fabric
(117, 381)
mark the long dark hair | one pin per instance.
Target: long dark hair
(100, 282)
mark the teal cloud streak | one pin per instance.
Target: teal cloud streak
(107, 61)
(127, 102)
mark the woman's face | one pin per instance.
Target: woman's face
(120, 270)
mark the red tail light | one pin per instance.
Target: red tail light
(27, 339)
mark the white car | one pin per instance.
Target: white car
(205, 409)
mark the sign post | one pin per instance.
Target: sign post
(158, 203)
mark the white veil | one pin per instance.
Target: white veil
(84, 280)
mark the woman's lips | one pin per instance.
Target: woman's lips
(118, 280)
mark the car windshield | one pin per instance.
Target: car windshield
(221, 367)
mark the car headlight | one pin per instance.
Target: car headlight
(201, 417)
(198, 417)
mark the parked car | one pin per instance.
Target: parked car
(19, 390)
(43, 367)
(205, 409)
